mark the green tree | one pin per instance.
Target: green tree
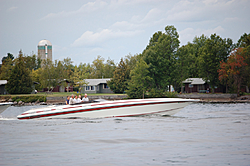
(160, 57)
(77, 78)
(20, 81)
(36, 77)
(84, 70)
(215, 50)
(197, 45)
(48, 75)
(109, 68)
(68, 68)
(244, 42)
(187, 65)
(184, 67)
(6, 68)
(131, 60)
(119, 84)
(32, 62)
(140, 81)
(9, 55)
(98, 67)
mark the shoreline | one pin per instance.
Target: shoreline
(208, 100)
(204, 98)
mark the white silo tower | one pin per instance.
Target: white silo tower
(45, 49)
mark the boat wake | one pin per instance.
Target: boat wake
(7, 118)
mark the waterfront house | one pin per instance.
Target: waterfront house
(96, 86)
(198, 85)
(195, 85)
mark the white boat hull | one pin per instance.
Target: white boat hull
(119, 108)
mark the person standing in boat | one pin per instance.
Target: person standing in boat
(67, 100)
(85, 99)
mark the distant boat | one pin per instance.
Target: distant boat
(106, 109)
(4, 106)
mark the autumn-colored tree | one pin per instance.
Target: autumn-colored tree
(232, 71)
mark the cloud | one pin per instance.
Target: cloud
(232, 19)
(197, 11)
(12, 8)
(91, 38)
(57, 48)
(86, 8)
(152, 15)
(122, 3)
(188, 33)
(125, 26)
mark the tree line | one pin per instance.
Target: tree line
(162, 63)
(25, 70)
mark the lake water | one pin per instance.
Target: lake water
(200, 134)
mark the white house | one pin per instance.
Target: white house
(96, 86)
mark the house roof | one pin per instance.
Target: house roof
(194, 81)
(96, 81)
(3, 82)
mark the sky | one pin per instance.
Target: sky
(82, 30)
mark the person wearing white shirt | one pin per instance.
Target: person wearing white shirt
(75, 99)
(79, 100)
(71, 100)
(85, 99)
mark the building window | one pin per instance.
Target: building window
(88, 88)
(105, 86)
(97, 87)
(190, 85)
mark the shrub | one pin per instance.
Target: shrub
(156, 93)
(171, 94)
(29, 99)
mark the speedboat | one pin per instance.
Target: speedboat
(4, 106)
(106, 109)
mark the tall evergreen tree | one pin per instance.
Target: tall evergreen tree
(20, 81)
(9, 56)
(6, 68)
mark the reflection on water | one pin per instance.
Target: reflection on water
(200, 134)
